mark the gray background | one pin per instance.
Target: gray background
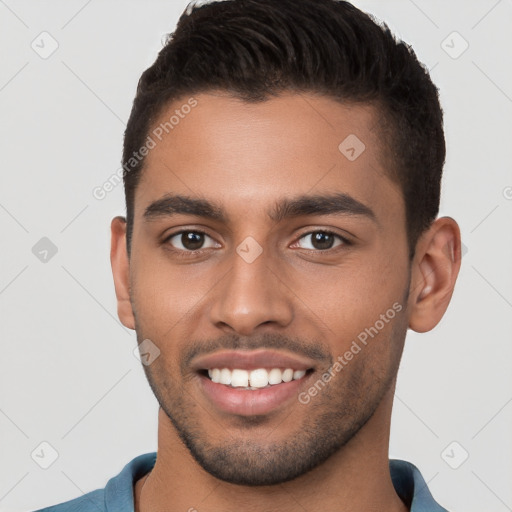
(68, 375)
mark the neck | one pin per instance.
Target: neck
(357, 477)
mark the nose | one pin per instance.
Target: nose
(250, 295)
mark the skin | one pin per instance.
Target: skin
(245, 157)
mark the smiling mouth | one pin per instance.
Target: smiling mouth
(259, 378)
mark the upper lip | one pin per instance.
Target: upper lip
(251, 360)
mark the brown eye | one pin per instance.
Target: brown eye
(190, 240)
(321, 240)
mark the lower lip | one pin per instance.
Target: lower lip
(248, 402)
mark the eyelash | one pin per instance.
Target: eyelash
(186, 253)
(344, 241)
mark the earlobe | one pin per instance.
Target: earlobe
(121, 271)
(434, 272)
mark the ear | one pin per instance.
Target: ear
(435, 267)
(121, 271)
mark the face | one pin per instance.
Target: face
(269, 243)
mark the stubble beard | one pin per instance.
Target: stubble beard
(329, 421)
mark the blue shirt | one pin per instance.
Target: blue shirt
(117, 496)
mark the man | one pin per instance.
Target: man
(282, 175)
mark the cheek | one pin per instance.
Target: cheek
(160, 296)
(348, 298)
(367, 360)
(169, 298)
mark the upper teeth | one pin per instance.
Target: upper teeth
(254, 379)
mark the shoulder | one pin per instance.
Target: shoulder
(92, 501)
(117, 494)
(412, 488)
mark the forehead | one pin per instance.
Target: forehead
(248, 155)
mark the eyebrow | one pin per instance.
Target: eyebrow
(330, 204)
(170, 205)
(324, 204)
